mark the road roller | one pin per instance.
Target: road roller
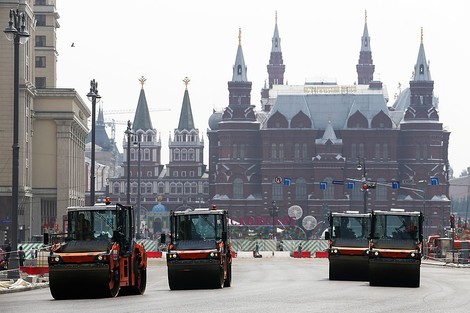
(395, 248)
(348, 245)
(199, 252)
(98, 256)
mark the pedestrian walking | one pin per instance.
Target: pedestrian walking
(299, 249)
(21, 256)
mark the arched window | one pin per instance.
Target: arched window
(300, 189)
(273, 152)
(191, 154)
(239, 70)
(146, 154)
(116, 188)
(176, 154)
(161, 188)
(173, 188)
(134, 188)
(179, 188)
(193, 188)
(234, 151)
(187, 188)
(184, 154)
(238, 188)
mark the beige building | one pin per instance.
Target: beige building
(52, 127)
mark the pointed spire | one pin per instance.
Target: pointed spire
(100, 120)
(422, 72)
(186, 115)
(142, 116)
(239, 69)
(276, 41)
(365, 67)
(365, 40)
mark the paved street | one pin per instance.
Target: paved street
(270, 285)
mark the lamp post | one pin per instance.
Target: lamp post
(423, 184)
(361, 166)
(274, 210)
(94, 97)
(16, 32)
(138, 187)
(128, 133)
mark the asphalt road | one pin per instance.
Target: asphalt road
(269, 285)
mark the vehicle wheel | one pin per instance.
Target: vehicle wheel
(114, 284)
(415, 279)
(228, 281)
(219, 281)
(173, 282)
(332, 273)
(141, 283)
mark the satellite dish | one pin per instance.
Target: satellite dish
(309, 222)
(295, 212)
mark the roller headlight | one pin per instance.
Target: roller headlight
(413, 254)
(214, 254)
(56, 259)
(100, 257)
(376, 253)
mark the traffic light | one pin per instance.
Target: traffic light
(368, 185)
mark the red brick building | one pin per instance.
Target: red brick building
(299, 155)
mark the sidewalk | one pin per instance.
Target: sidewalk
(25, 282)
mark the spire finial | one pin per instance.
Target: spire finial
(186, 81)
(421, 35)
(142, 80)
(276, 17)
(239, 36)
(365, 16)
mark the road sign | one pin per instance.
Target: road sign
(287, 181)
(396, 184)
(434, 181)
(338, 182)
(351, 185)
(323, 185)
(278, 179)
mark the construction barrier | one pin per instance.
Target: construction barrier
(35, 270)
(303, 254)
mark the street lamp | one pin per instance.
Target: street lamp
(16, 32)
(274, 210)
(129, 133)
(423, 183)
(138, 188)
(94, 97)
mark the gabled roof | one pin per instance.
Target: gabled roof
(329, 135)
(332, 103)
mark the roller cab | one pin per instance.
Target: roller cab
(396, 248)
(348, 245)
(199, 252)
(98, 256)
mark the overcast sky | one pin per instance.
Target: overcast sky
(116, 42)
